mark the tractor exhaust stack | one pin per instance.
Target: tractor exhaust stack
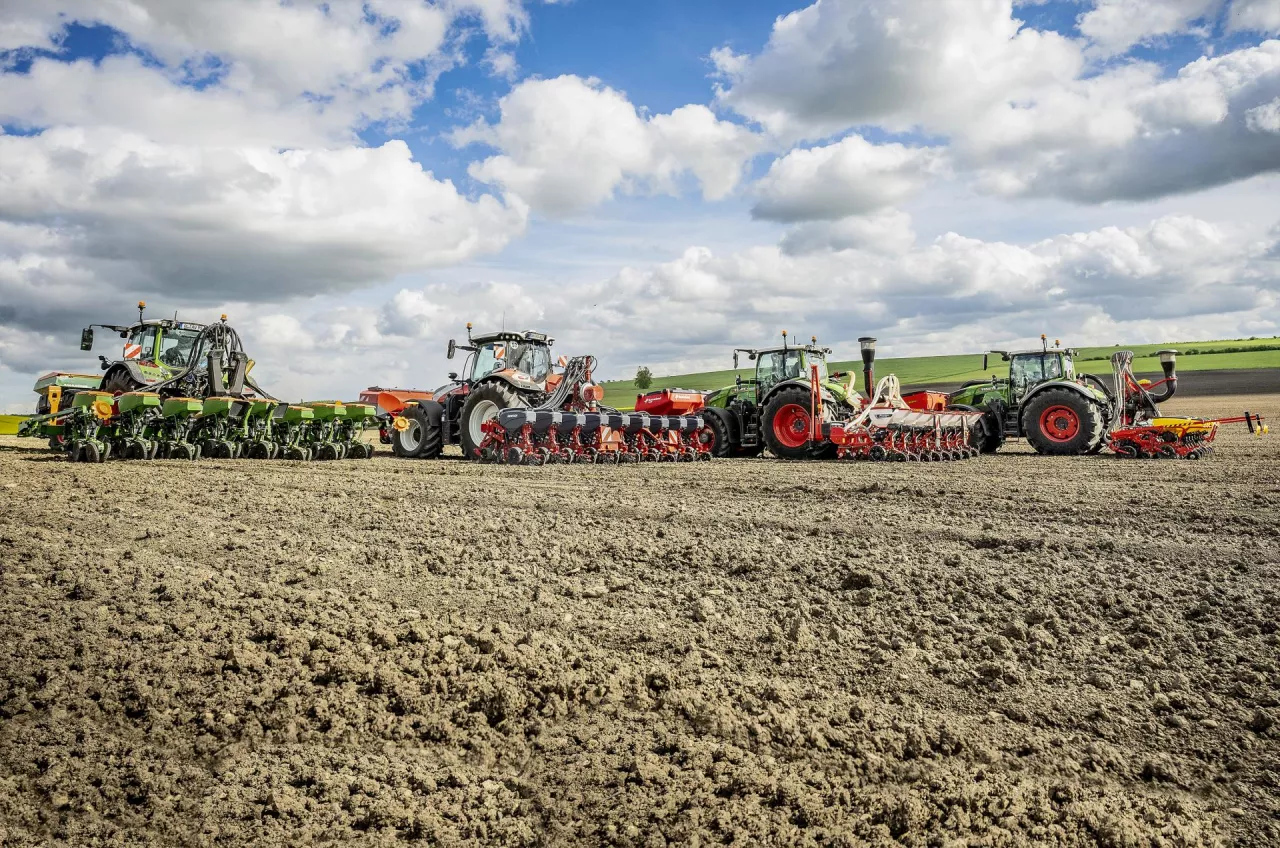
(1169, 385)
(868, 345)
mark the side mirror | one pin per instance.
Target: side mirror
(984, 362)
(735, 359)
(86, 338)
(453, 348)
(453, 376)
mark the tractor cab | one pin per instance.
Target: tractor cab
(523, 359)
(163, 343)
(1030, 368)
(778, 365)
(1027, 369)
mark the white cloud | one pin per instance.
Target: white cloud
(850, 177)
(1264, 118)
(1254, 16)
(888, 232)
(1116, 25)
(1173, 277)
(358, 62)
(226, 167)
(256, 223)
(898, 63)
(1129, 133)
(567, 144)
(1023, 112)
(122, 92)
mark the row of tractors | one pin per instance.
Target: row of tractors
(182, 390)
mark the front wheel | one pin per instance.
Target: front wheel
(1062, 422)
(421, 437)
(786, 423)
(716, 434)
(986, 434)
(482, 405)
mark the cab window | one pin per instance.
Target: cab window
(768, 369)
(143, 338)
(775, 366)
(176, 345)
(535, 361)
(1030, 370)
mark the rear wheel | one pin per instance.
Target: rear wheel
(786, 423)
(1062, 422)
(483, 404)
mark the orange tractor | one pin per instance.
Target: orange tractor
(510, 405)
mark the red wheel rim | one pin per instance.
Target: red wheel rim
(791, 426)
(1060, 423)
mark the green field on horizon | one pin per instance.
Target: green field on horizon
(921, 371)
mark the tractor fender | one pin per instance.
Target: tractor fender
(518, 381)
(827, 397)
(1061, 384)
(132, 369)
(732, 422)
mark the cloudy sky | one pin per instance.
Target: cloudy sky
(653, 181)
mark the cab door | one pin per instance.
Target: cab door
(141, 345)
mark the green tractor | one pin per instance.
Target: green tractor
(1044, 400)
(773, 409)
(154, 350)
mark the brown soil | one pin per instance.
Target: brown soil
(1016, 650)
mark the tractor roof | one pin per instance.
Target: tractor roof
(819, 351)
(1067, 350)
(170, 324)
(526, 336)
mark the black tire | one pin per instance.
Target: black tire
(424, 439)
(1060, 421)
(781, 402)
(987, 433)
(117, 381)
(825, 450)
(485, 401)
(721, 442)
